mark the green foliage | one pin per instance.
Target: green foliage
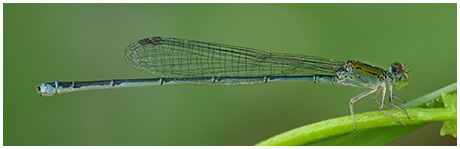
(375, 128)
(450, 126)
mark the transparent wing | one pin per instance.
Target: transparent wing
(173, 57)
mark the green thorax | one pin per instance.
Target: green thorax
(360, 74)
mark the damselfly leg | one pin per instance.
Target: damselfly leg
(353, 100)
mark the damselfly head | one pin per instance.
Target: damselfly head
(400, 76)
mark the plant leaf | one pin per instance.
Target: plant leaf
(449, 127)
(373, 135)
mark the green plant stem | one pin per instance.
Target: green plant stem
(342, 125)
(430, 96)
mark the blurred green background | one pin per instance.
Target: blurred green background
(48, 42)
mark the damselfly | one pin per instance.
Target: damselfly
(180, 61)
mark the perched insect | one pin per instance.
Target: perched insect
(180, 61)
